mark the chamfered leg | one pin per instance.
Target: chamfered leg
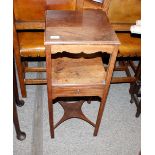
(106, 88)
(49, 88)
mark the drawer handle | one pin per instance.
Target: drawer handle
(78, 91)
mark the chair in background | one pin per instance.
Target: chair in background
(29, 24)
(135, 88)
(19, 134)
(121, 18)
(135, 91)
(90, 4)
(30, 33)
(130, 48)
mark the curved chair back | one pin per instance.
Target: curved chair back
(30, 14)
(123, 13)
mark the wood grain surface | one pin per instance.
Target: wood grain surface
(78, 27)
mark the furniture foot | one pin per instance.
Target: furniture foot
(135, 93)
(19, 103)
(138, 109)
(137, 114)
(21, 135)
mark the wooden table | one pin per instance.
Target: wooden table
(78, 32)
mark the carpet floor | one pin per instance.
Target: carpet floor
(119, 133)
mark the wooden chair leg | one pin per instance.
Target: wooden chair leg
(132, 99)
(20, 135)
(135, 90)
(21, 79)
(132, 66)
(24, 65)
(127, 71)
(17, 56)
(17, 101)
(138, 71)
(138, 109)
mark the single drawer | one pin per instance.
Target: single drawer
(70, 91)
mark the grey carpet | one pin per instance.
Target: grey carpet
(119, 133)
(37, 141)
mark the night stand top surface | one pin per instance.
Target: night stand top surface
(78, 27)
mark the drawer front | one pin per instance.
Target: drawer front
(77, 91)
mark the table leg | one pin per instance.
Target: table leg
(106, 89)
(49, 89)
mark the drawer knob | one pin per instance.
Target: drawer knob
(78, 91)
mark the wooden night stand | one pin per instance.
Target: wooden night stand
(81, 34)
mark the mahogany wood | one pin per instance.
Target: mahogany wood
(34, 19)
(73, 110)
(49, 89)
(106, 89)
(135, 90)
(123, 79)
(31, 44)
(121, 19)
(20, 135)
(34, 69)
(35, 81)
(18, 102)
(72, 77)
(85, 30)
(119, 12)
(30, 25)
(17, 56)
